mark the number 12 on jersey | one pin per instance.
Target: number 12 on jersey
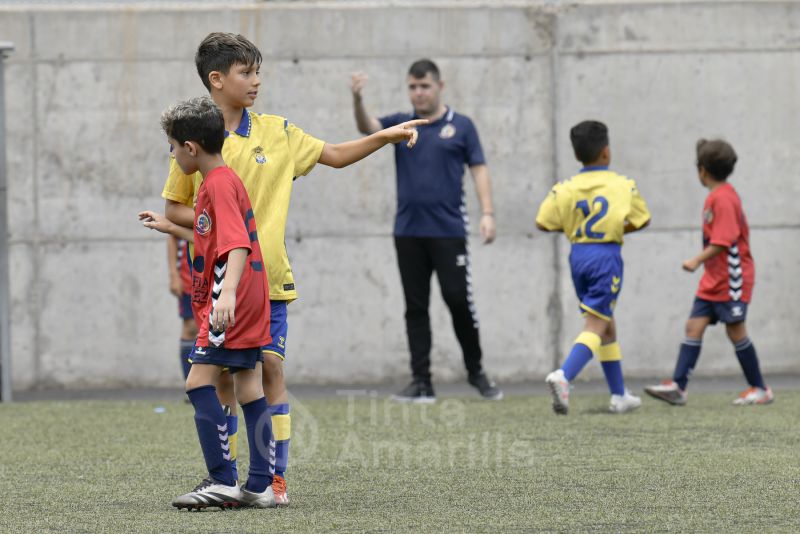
(587, 226)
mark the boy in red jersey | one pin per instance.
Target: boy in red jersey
(230, 299)
(268, 153)
(727, 283)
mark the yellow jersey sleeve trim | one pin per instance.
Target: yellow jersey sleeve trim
(169, 195)
(639, 214)
(305, 149)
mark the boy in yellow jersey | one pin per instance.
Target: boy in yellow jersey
(594, 209)
(268, 153)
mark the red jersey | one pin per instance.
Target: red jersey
(183, 266)
(224, 221)
(729, 276)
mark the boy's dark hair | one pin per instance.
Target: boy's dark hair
(717, 157)
(197, 119)
(421, 67)
(589, 138)
(220, 51)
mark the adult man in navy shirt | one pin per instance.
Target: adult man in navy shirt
(430, 228)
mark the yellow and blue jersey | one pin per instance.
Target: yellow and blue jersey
(268, 153)
(593, 207)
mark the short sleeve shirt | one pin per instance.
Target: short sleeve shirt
(268, 153)
(430, 176)
(593, 207)
(728, 276)
(223, 222)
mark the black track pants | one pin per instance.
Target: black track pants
(417, 258)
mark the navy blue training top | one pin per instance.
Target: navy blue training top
(430, 186)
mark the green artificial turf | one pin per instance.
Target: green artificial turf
(462, 465)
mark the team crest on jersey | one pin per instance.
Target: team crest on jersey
(258, 155)
(203, 224)
(708, 216)
(447, 131)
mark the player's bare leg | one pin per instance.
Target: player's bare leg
(277, 395)
(226, 392)
(189, 329)
(696, 327)
(273, 379)
(187, 340)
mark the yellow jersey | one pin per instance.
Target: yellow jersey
(268, 153)
(593, 207)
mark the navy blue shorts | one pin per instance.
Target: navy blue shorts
(232, 360)
(278, 328)
(728, 312)
(185, 306)
(597, 274)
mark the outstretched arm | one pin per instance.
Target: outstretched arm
(344, 154)
(156, 221)
(483, 187)
(366, 123)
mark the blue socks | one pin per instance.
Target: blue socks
(186, 348)
(262, 445)
(687, 359)
(613, 372)
(578, 357)
(746, 353)
(585, 346)
(212, 429)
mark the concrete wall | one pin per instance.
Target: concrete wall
(86, 85)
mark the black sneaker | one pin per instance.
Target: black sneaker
(486, 387)
(417, 392)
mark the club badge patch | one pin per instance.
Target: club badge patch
(203, 224)
(708, 216)
(258, 155)
(447, 131)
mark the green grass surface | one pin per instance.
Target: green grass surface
(460, 466)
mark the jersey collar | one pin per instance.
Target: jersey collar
(448, 116)
(593, 168)
(244, 125)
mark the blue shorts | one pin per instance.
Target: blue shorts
(597, 275)
(232, 360)
(727, 312)
(185, 306)
(278, 328)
